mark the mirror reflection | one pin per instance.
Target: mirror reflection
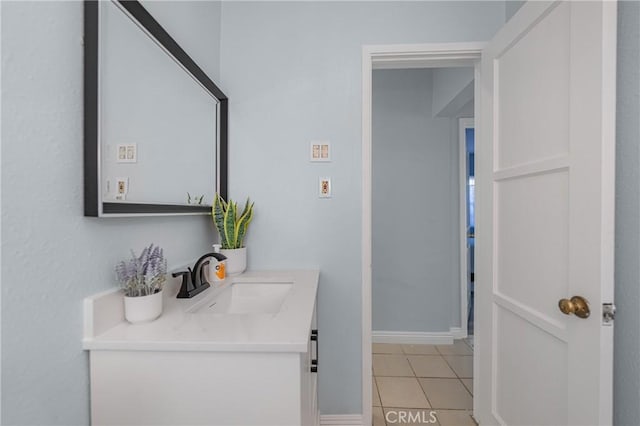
(158, 124)
(155, 123)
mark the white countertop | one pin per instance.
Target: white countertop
(179, 330)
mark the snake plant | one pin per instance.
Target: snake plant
(231, 227)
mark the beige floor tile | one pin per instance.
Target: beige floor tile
(447, 394)
(459, 347)
(468, 383)
(420, 349)
(391, 365)
(386, 348)
(410, 416)
(376, 395)
(462, 365)
(430, 366)
(378, 417)
(455, 418)
(469, 341)
(403, 392)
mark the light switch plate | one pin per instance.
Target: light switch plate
(324, 187)
(127, 153)
(320, 151)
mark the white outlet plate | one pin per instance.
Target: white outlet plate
(320, 151)
(127, 153)
(122, 187)
(324, 187)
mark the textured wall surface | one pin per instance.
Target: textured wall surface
(415, 206)
(292, 71)
(627, 295)
(52, 256)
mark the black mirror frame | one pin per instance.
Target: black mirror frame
(92, 201)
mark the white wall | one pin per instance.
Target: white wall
(292, 71)
(415, 206)
(52, 256)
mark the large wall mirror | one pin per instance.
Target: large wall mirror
(155, 123)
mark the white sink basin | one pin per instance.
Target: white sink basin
(246, 298)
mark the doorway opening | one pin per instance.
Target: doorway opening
(416, 346)
(466, 152)
(417, 372)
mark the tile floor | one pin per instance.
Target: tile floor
(420, 379)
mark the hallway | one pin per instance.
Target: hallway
(412, 381)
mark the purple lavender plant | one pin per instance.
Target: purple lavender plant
(143, 275)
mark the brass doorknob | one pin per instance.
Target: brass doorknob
(577, 305)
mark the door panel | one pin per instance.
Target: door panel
(545, 173)
(532, 81)
(523, 349)
(524, 274)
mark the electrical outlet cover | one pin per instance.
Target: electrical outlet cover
(324, 187)
(122, 186)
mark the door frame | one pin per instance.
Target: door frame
(463, 124)
(398, 56)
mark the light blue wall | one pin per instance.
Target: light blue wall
(415, 207)
(627, 294)
(511, 7)
(195, 25)
(292, 71)
(452, 89)
(52, 256)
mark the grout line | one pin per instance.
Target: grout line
(458, 377)
(411, 366)
(406, 357)
(424, 392)
(378, 392)
(404, 377)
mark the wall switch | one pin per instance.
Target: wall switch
(324, 187)
(127, 153)
(320, 151)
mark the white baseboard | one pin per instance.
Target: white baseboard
(418, 337)
(341, 419)
(458, 332)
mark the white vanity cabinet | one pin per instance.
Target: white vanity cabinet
(188, 371)
(309, 374)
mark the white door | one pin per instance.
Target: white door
(545, 209)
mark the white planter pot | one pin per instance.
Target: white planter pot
(236, 260)
(143, 308)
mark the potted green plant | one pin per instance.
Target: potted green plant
(142, 278)
(232, 225)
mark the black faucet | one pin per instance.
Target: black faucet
(194, 281)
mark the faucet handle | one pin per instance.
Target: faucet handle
(184, 274)
(184, 288)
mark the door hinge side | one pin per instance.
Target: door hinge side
(608, 313)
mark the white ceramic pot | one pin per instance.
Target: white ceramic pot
(143, 308)
(236, 260)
